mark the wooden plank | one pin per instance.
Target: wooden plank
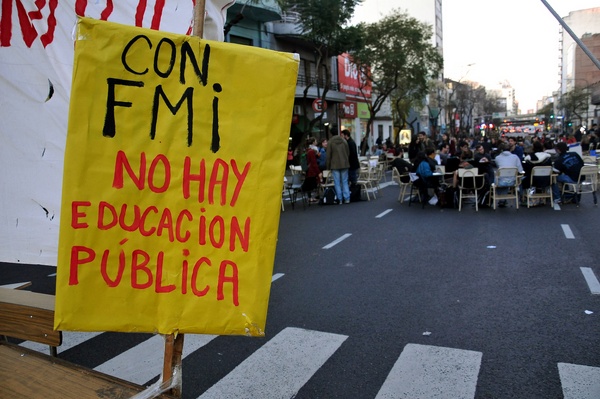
(29, 316)
(172, 361)
(28, 374)
(28, 298)
(16, 286)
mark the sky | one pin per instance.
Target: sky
(495, 41)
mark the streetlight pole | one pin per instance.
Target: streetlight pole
(573, 35)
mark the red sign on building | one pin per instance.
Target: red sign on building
(352, 81)
(349, 109)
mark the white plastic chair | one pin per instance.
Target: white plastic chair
(506, 178)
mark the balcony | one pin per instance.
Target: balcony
(332, 95)
(312, 80)
(261, 11)
(289, 25)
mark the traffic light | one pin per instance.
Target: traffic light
(552, 116)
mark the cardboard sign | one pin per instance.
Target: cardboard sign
(172, 182)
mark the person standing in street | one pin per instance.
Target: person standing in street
(353, 157)
(322, 158)
(338, 162)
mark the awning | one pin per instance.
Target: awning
(302, 125)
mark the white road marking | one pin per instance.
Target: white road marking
(280, 367)
(424, 371)
(276, 276)
(567, 231)
(70, 340)
(382, 214)
(591, 280)
(143, 362)
(333, 243)
(579, 382)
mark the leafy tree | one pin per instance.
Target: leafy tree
(575, 104)
(466, 96)
(325, 28)
(398, 61)
(548, 114)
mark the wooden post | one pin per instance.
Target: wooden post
(199, 11)
(174, 344)
(173, 352)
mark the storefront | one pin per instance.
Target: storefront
(354, 116)
(354, 112)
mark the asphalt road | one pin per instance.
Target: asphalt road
(429, 302)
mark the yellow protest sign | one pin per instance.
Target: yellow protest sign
(174, 164)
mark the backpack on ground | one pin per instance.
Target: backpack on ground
(446, 196)
(328, 197)
(355, 193)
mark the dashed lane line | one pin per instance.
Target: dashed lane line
(335, 242)
(567, 231)
(591, 280)
(382, 214)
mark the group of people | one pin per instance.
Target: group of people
(487, 156)
(339, 155)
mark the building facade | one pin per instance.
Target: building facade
(576, 70)
(431, 116)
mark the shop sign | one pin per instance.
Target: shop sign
(349, 108)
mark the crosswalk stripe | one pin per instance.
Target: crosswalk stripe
(144, 361)
(579, 382)
(424, 371)
(70, 340)
(293, 356)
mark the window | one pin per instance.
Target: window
(240, 40)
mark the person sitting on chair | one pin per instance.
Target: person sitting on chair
(426, 166)
(483, 162)
(466, 158)
(537, 158)
(506, 159)
(568, 164)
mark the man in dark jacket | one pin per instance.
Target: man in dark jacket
(338, 163)
(568, 164)
(352, 157)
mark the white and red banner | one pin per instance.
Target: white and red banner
(352, 81)
(36, 61)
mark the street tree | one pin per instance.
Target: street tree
(574, 103)
(397, 61)
(548, 115)
(492, 104)
(325, 29)
(468, 95)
